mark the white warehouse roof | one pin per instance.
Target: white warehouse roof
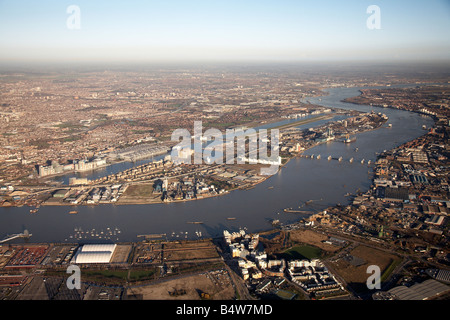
(93, 257)
(94, 253)
(98, 247)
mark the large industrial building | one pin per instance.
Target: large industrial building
(426, 290)
(94, 253)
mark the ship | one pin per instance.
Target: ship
(232, 218)
(73, 212)
(348, 139)
(195, 222)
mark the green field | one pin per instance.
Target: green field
(286, 295)
(389, 269)
(301, 252)
(143, 275)
(118, 276)
(104, 275)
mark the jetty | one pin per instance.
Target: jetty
(25, 235)
(289, 210)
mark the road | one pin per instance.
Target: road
(239, 284)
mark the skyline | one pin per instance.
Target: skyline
(179, 31)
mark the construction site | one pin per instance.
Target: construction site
(210, 285)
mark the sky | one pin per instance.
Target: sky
(231, 30)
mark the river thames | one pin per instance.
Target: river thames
(302, 179)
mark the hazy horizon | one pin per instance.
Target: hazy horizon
(426, 67)
(213, 31)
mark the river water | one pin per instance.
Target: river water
(302, 179)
